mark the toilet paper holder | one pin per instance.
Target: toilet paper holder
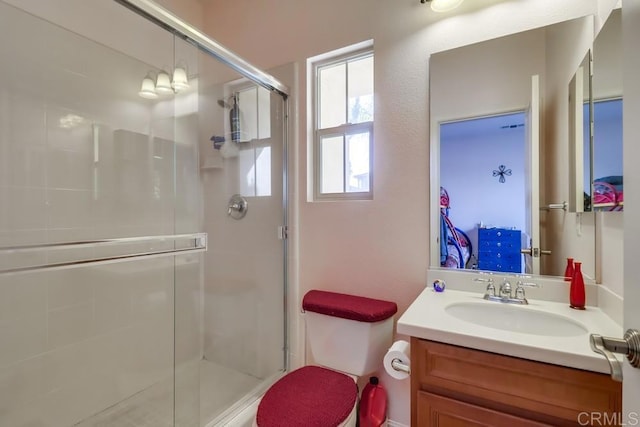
(400, 366)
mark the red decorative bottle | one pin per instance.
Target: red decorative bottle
(568, 271)
(576, 293)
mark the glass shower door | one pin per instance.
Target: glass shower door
(244, 269)
(98, 188)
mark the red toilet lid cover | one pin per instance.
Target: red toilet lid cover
(311, 396)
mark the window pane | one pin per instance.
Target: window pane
(264, 113)
(263, 171)
(358, 162)
(247, 172)
(361, 90)
(248, 101)
(332, 168)
(332, 81)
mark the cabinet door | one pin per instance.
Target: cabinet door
(518, 386)
(439, 411)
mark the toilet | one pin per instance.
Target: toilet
(348, 336)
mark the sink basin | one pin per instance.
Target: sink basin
(516, 319)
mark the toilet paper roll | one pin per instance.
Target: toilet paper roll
(400, 350)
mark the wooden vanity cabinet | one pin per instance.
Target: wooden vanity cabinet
(455, 386)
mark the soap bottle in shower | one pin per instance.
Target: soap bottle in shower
(234, 120)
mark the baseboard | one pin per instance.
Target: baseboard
(391, 423)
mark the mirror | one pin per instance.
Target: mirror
(494, 195)
(580, 137)
(606, 173)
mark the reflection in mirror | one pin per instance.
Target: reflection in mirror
(483, 188)
(580, 136)
(480, 161)
(608, 191)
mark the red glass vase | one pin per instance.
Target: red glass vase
(568, 271)
(576, 292)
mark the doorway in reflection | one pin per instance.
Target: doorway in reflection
(483, 193)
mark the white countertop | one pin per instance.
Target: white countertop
(427, 318)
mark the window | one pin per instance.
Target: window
(253, 139)
(343, 126)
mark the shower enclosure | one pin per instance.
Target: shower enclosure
(132, 292)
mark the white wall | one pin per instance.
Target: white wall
(378, 247)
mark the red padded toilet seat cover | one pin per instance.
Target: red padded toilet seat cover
(311, 396)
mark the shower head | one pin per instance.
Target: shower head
(227, 103)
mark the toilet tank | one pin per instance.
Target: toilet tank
(348, 333)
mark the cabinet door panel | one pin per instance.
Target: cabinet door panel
(438, 411)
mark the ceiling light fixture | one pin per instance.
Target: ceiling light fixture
(443, 5)
(163, 84)
(148, 89)
(180, 81)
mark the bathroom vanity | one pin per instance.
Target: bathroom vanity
(478, 362)
(452, 385)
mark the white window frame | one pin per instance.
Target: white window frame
(342, 130)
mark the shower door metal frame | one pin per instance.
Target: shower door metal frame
(199, 244)
(183, 30)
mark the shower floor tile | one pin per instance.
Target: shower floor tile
(220, 387)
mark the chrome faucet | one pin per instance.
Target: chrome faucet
(505, 294)
(491, 289)
(505, 289)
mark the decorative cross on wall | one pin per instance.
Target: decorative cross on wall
(501, 172)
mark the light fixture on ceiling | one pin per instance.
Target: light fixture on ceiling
(443, 5)
(180, 81)
(163, 84)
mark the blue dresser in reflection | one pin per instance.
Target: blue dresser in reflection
(499, 250)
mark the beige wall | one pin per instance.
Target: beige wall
(377, 248)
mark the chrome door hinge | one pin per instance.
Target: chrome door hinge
(283, 232)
